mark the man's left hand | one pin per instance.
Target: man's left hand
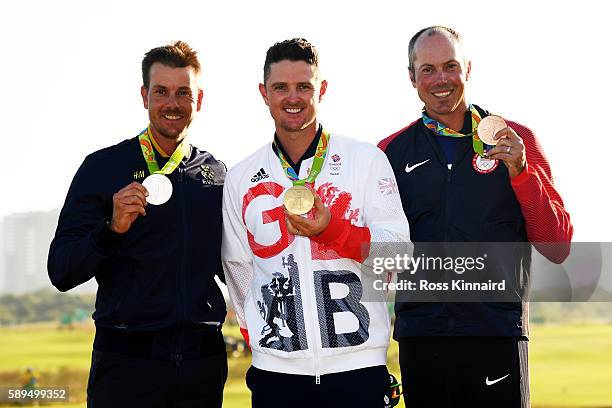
(511, 150)
(298, 225)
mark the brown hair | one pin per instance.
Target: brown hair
(176, 55)
(295, 49)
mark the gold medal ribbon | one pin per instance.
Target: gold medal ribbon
(317, 162)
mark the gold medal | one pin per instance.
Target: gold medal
(298, 200)
(488, 127)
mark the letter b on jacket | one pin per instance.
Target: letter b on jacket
(339, 309)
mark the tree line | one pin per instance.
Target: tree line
(48, 305)
(44, 305)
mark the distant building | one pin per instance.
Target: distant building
(24, 246)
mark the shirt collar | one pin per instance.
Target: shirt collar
(310, 152)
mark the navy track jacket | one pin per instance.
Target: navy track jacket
(159, 275)
(463, 205)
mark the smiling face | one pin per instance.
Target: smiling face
(292, 92)
(439, 76)
(172, 98)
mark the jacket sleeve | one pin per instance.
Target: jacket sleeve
(82, 240)
(547, 222)
(385, 223)
(236, 255)
(383, 213)
(345, 239)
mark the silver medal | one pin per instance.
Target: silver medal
(159, 188)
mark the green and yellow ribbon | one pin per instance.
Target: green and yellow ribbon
(317, 162)
(145, 139)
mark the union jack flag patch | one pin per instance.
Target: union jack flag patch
(387, 186)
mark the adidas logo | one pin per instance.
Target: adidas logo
(261, 174)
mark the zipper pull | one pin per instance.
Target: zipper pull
(178, 359)
(317, 379)
(180, 178)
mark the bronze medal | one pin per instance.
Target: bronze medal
(299, 200)
(488, 127)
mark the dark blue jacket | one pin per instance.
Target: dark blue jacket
(159, 275)
(459, 205)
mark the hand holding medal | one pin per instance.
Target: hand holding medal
(156, 189)
(492, 130)
(128, 204)
(307, 227)
(509, 146)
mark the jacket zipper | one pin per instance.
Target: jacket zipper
(311, 321)
(447, 201)
(181, 272)
(315, 328)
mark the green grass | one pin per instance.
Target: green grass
(571, 365)
(45, 347)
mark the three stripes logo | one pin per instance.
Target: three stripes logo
(261, 174)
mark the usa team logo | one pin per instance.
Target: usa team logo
(483, 165)
(336, 158)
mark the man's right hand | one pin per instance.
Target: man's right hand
(128, 203)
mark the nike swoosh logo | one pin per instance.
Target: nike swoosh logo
(409, 168)
(495, 381)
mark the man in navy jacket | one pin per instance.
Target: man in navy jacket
(143, 218)
(453, 189)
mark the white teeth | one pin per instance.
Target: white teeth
(294, 110)
(442, 94)
(172, 117)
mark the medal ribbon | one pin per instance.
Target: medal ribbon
(144, 138)
(441, 130)
(317, 162)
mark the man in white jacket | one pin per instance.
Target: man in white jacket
(300, 216)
